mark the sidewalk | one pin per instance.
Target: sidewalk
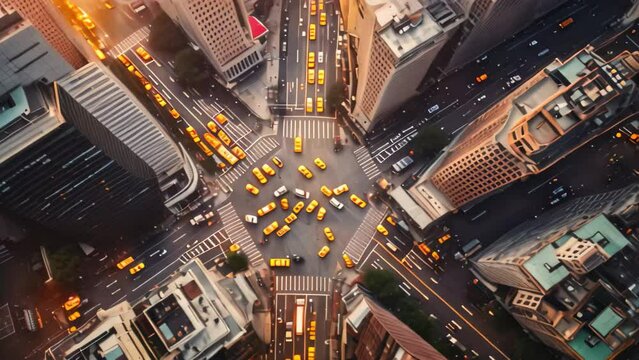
(253, 92)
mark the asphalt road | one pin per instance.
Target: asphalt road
(455, 98)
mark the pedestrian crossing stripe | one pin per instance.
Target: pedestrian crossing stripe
(254, 152)
(366, 163)
(308, 128)
(364, 234)
(303, 284)
(237, 233)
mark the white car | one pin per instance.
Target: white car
(320, 57)
(481, 98)
(280, 191)
(336, 203)
(433, 108)
(533, 43)
(252, 219)
(302, 194)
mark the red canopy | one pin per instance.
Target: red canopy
(257, 28)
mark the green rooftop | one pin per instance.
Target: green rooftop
(546, 268)
(606, 321)
(601, 228)
(8, 114)
(601, 351)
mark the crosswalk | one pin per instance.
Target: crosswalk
(303, 284)
(235, 128)
(5, 254)
(254, 152)
(130, 41)
(308, 128)
(203, 247)
(364, 233)
(237, 233)
(366, 162)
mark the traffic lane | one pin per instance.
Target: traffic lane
(116, 23)
(306, 236)
(470, 335)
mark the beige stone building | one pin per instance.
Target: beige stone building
(394, 42)
(222, 31)
(543, 120)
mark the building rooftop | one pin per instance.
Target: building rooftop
(545, 268)
(606, 321)
(406, 25)
(596, 351)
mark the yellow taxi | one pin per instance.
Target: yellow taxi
(237, 151)
(311, 60)
(74, 316)
(311, 76)
(284, 203)
(323, 251)
(320, 76)
(329, 234)
(234, 248)
(347, 261)
(268, 170)
(143, 54)
(391, 220)
(174, 113)
(357, 201)
(269, 229)
(147, 85)
(212, 127)
(260, 177)
(212, 140)
(322, 20)
(280, 262)
(225, 138)
(340, 189)
(319, 104)
(74, 301)
(136, 268)
(305, 171)
(126, 62)
(309, 105)
(107, 4)
(321, 5)
(205, 148)
(321, 213)
(159, 99)
(252, 189)
(279, 162)
(320, 164)
(297, 143)
(382, 230)
(311, 32)
(424, 248)
(281, 232)
(311, 206)
(290, 218)
(124, 263)
(72, 329)
(313, 8)
(326, 191)
(443, 239)
(434, 255)
(193, 133)
(298, 207)
(266, 209)
(221, 119)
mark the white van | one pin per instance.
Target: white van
(391, 246)
(302, 194)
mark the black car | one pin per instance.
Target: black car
(297, 258)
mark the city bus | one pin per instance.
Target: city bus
(564, 24)
(299, 316)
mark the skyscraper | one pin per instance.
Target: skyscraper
(88, 156)
(395, 43)
(38, 12)
(543, 120)
(221, 29)
(25, 56)
(490, 22)
(569, 277)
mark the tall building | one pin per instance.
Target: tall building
(25, 56)
(40, 14)
(570, 276)
(394, 43)
(194, 314)
(372, 332)
(490, 22)
(222, 31)
(557, 110)
(88, 159)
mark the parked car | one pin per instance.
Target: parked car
(403, 164)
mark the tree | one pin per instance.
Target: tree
(65, 264)
(165, 35)
(378, 280)
(237, 261)
(335, 95)
(191, 67)
(429, 141)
